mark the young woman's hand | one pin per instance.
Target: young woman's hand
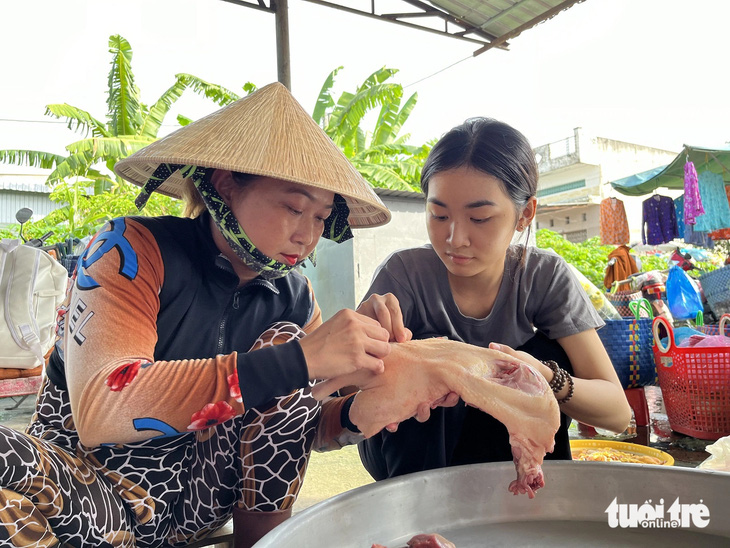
(533, 362)
(345, 343)
(386, 310)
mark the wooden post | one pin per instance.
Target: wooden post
(283, 61)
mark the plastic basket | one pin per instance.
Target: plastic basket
(714, 328)
(628, 343)
(621, 299)
(695, 384)
(716, 287)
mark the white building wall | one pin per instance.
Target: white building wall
(344, 271)
(569, 220)
(373, 245)
(620, 160)
(598, 161)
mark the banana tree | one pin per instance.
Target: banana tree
(381, 154)
(130, 125)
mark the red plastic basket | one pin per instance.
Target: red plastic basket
(695, 384)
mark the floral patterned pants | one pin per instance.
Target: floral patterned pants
(161, 492)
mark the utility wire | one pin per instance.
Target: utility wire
(32, 121)
(170, 125)
(54, 122)
(438, 71)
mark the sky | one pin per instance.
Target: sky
(650, 72)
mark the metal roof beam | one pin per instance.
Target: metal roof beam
(258, 5)
(452, 19)
(409, 15)
(467, 31)
(436, 13)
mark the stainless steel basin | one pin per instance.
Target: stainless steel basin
(471, 506)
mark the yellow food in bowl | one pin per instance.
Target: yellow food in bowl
(608, 454)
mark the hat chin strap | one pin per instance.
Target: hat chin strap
(230, 228)
(336, 226)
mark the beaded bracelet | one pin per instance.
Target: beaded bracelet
(560, 377)
(571, 385)
(558, 380)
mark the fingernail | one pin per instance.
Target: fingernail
(495, 346)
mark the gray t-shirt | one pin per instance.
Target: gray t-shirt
(542, 294)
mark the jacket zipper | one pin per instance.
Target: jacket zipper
(224, 320)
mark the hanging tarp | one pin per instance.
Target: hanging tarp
(716, 160)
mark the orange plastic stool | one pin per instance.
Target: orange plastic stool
(637, 400)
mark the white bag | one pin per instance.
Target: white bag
(32, 286)
(719, 458)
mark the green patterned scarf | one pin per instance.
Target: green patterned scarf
(336, 226)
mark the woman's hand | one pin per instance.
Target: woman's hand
(386, 310)
(345, 343)
(533, 362)
(424, 409)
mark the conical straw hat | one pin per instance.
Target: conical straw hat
(266, 133)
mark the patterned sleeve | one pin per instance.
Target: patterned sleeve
(118, 392)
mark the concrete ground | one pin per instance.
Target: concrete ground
(19, 417)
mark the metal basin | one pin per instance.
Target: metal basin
(471, 506)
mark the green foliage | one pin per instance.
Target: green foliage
(591, 258)
(90, 193)
(722, 247)
(86, 211)
(380, 154)
(83, 182)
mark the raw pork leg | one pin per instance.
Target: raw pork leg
(430, 541)
(423, 371)
(433, 540)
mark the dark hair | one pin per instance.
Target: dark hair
(194, 204)
(490, 146)
(243, 178)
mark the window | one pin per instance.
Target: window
(577, 236)
(552, 223)
(585, 217)
(567, 220)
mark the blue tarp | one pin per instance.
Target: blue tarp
(716, 160)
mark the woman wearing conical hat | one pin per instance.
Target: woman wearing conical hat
(156, 422)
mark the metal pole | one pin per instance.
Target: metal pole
(282, 41)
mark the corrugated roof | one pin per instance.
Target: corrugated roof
(490, 23)
(502, 19)
(24, 187)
